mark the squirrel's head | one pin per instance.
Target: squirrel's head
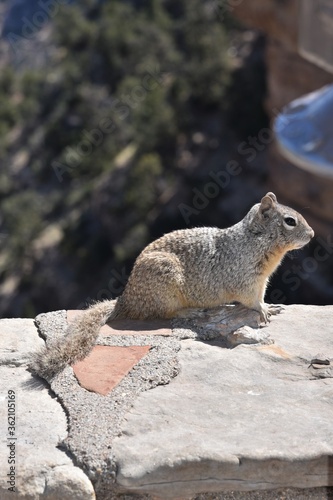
(282, 225)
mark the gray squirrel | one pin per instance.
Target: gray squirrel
(191, 268)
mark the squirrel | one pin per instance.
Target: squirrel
(191, 268)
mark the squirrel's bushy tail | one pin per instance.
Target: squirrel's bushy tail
(77, 343)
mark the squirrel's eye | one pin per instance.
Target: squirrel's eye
(290, 221)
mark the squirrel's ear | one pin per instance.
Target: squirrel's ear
(272, 195)
(267, 204)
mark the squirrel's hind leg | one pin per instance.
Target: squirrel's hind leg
(154, 288)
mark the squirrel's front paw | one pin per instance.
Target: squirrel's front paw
(268, 310)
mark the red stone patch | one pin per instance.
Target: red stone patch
(106, 366)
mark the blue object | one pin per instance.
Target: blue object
(304, 131)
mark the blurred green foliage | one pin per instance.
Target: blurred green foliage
(119, 74)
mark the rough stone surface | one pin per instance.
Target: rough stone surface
(18, 339)
(42, 470)
(218, 322)
(248, 335)
(51, 325)
(237, 423)
(250, 418)
(94, 419)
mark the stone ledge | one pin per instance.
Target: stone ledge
(243, 422)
